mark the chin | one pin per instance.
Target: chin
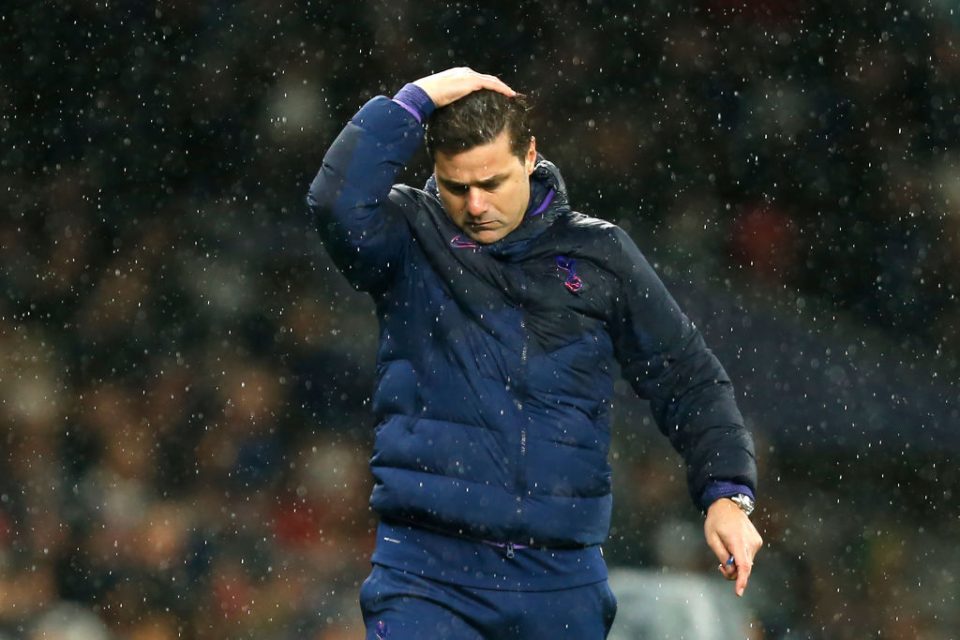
(486, 237)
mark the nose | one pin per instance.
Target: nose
(476, 202)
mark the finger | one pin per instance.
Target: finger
(749, 553)
(489, 81)
(744, 563)
(728, 569)
(496, 84)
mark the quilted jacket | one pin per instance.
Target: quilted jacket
(496, 362)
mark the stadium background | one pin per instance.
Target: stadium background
(184, 379)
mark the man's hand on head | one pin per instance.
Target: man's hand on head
(451, 85)
(730, 534)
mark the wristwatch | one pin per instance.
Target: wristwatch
(743, 501)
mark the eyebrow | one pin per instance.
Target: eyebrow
(483, 184)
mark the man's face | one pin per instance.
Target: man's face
(485, 190)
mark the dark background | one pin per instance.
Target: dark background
(185, 379)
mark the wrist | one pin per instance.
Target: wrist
(717, 489)
(742, 501)
(415, 100)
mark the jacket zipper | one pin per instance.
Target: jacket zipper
(521, 389)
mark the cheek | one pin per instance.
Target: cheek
(449, 203)
(518, 198)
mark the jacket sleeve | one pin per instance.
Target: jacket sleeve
(360, 225)
(664, 357)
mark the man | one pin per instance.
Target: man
(501, 312)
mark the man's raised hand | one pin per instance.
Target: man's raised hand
(451, 85)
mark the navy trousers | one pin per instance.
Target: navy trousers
(397, 605)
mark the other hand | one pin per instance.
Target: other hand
(730, 533)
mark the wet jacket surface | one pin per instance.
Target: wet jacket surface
(496, 362)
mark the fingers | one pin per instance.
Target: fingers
(718, 548)
(451, 85)
(743, 556)
(496, 84)
(737, 566)
(487, 81)
(728, 569)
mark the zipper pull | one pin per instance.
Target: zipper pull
(510, 553)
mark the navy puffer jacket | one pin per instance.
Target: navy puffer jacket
(496, 362)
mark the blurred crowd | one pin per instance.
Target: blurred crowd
(184, 378)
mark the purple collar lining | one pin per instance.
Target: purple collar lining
(543, 205)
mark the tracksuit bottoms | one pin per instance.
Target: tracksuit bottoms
(427, 585)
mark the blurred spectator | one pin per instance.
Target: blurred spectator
(764, 243)
(68, 621)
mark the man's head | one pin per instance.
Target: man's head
(483, 156)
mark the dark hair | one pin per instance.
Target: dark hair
(478, 118)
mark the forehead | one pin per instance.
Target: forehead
(478, 163)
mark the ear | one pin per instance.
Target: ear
(530, 160)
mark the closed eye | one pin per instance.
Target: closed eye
(490, 185)
(455, 187)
